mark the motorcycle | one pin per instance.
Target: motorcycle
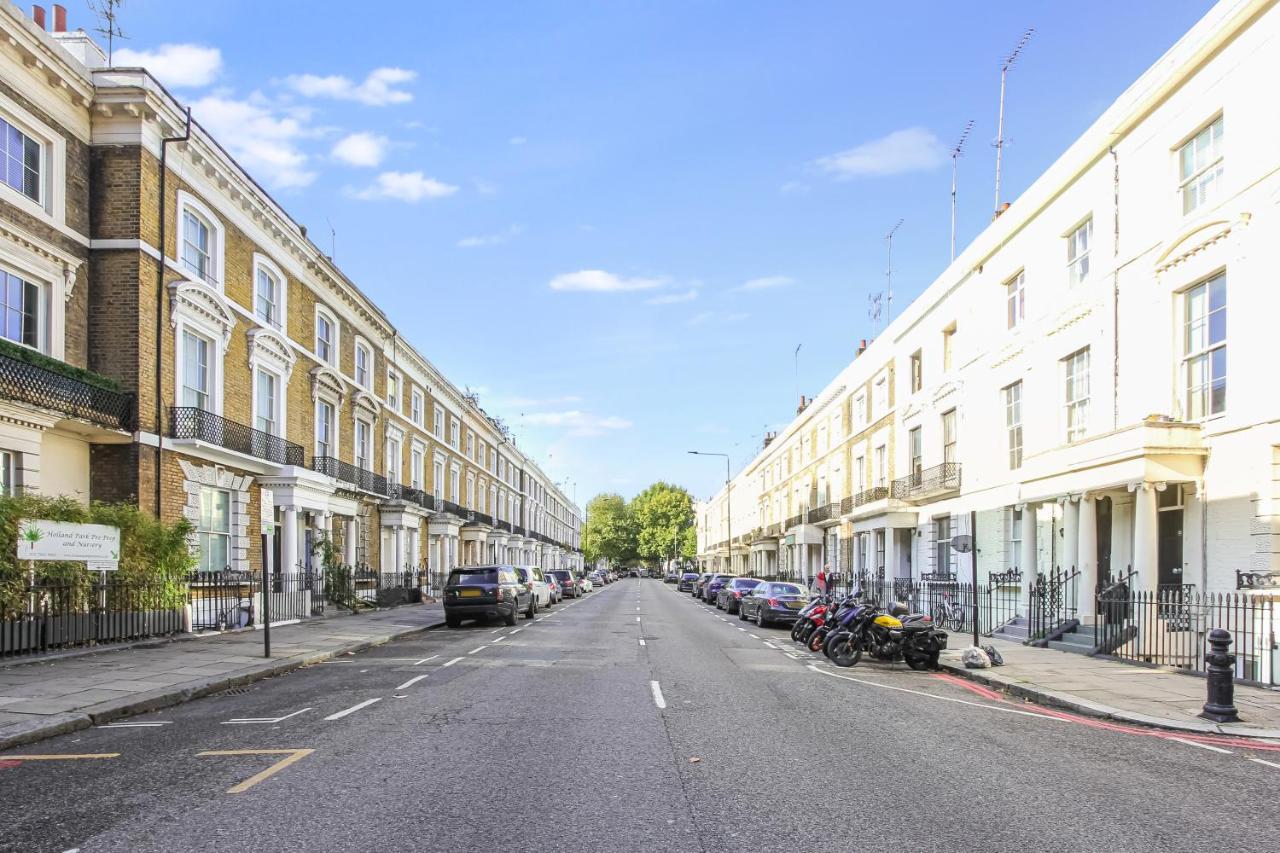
(810, 619)
(886, 636)
(833, 619)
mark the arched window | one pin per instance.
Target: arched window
(199, 240)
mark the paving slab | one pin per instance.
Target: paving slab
(64, 692)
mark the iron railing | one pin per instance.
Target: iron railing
(477, 517)
(353, 474)
(774, 529)
(504, 526)
(1052, 604)
(826, 512)
(875, 493)
(928, 482)
(518, 530)
(415, 496)
(192, 423)
(795, 521)
(453, 508)
(24, 382)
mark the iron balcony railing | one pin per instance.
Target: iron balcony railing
(475, 517)
(191, 423)
(453, 508)
(517, 530)
(773, 529)
(795, 521)
(871, 495)
(928, 482)
(23, 382)
(415, 496)
(504, 526)
(824, 513)
(353, 474)
(846, 505)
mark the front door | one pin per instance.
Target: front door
(1170, 548)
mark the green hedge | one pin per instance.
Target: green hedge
(152, 553)
(30, 356)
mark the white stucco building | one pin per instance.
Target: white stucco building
(1090, 381)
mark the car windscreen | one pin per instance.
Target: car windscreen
(463, 577)
(689, 576)
(564, 576)
(785, 589)
(744, 583)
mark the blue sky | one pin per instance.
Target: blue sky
(644, 206)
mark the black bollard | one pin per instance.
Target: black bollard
(1220, 707)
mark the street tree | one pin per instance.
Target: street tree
(663, 512)
(609, 532)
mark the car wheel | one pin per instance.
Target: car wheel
(453, 621)
(533, 608)
(760, 620)
(510, 618)
(742, 614)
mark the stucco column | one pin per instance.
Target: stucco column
(398, 532)
(1087, 553)
(289, 541)
(349, 542)
(1070, 535)
(1028, 558)
(1146, 546)
(890, 553)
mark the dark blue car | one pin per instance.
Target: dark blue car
(713, 587)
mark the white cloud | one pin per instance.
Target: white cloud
(360, 149)
(537, 402)
(483, 240)
(404, 186)
(913, 149)
(576, 423)
(378, 89)
(599, 281)
(263, 139)
(673, 298)
(176, 65)
(767, 282)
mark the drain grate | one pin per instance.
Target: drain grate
(234, 691)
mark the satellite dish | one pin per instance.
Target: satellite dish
(962, 544)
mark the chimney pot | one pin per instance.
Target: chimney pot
(37, 15)
(59, 18)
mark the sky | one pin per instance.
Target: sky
(616, 220)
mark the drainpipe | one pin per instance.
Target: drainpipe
(159, 420)
(1115, 291)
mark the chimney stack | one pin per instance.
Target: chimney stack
(59, 18)
(862, 347)
(37, 15)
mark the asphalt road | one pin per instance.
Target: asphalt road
(569, 733)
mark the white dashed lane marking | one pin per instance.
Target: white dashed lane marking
(365, 704)
(411, 682)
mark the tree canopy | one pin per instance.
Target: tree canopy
(655, 525)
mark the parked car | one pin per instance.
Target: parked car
(597, 578)
(713, 586)
(483, 592)
(553, 584)
(672, 577)
(569, 586)
(687, 580)
(701, 583)
(731, 594)
(773, 602)
(532, 577)
(586, 585)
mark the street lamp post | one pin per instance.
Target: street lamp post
(728, 500)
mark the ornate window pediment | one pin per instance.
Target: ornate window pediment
(365, 401)
(269, 348)
(326, 380)
(1193, 242)
(202, 305)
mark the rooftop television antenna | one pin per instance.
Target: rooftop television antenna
(888, 239)
(107, 26)
(955, 155)
(1004, 73)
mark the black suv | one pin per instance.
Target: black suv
(687, 580)
(482, 592)
(569, 586)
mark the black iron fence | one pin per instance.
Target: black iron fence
(192, 423)
(47, 615)
(359, 477)
(928, 481)
(29, 383)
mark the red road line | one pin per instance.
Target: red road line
(1121, 728)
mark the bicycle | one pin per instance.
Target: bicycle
(949, 613)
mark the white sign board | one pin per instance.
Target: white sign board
(267, 502)
(39, 539)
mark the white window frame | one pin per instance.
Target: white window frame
(52, 197)
(437, 421)
(455, 483)
(1015, 297)
(361, 347)
(1204, 353)
(332, 450)
(188, 203)
(277, 405)
(1203, 182)
(417, 406)
(949, 422)
(262, 265)
(8, 473)
(455, 433)
(393, 456)
(437, 476)
(1075, 406)
(393, 390)
(1012, 394)
(1079, 245)
(335, 345)
(1013, 555)
(43, 305)
(203, 535)
(881, 465)
(184, 327)
(370, 461)
(417, 465)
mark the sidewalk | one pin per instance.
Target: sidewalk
(42, 698)
(1160, 696)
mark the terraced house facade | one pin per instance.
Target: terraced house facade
(1089, 387)
(173, 338)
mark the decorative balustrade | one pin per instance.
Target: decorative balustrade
(188, 422)
(928, 482)
(24, 382)
(352, 474)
